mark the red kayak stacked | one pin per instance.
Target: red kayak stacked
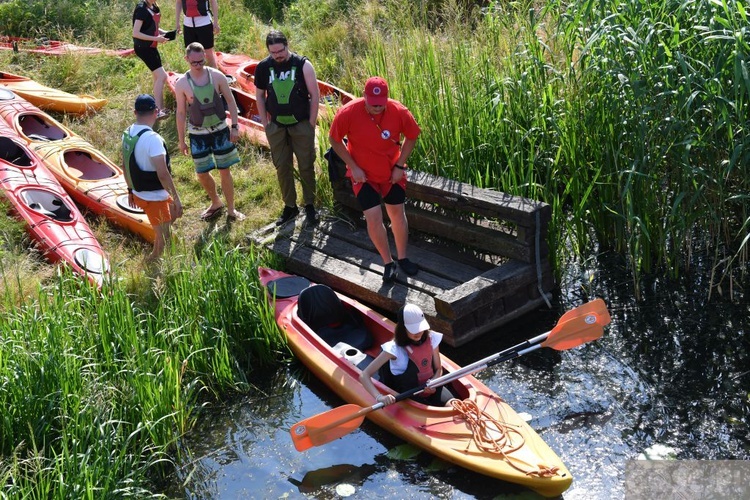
(57, 227)
(56, 48)
(87, 175)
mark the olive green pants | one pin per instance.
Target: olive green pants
(289, 142)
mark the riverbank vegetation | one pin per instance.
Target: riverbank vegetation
(629, 118)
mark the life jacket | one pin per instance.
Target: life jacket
(137, 179)
(195, 8)
(207, 109)
(288, 97)
(418, 371)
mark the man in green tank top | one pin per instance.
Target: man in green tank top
(201, 111)
(288, 98)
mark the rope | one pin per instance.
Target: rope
(492, 436)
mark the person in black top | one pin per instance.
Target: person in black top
(146, 37)
(288, 99)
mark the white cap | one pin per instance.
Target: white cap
(414, 320)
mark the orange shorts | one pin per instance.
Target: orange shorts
(158, 212)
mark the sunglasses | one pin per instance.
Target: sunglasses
(198, 63)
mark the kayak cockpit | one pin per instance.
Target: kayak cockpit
(39, 128)
(11, 152)
(47, 203)
(82, 165)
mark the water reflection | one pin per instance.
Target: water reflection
(670, 371)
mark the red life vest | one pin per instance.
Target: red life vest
(195, 8)
(421, 356)
(157, 17)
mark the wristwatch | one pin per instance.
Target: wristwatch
(235, 126)
(401, 167)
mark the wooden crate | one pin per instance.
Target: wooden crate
(482, 254)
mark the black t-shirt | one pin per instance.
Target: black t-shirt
(149, 26)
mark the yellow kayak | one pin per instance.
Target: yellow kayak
(50, 99)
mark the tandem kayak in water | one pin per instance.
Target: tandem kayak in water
(349, 338)
(50, 99)
(90, 178)
(53, 221)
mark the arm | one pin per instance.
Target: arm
(406, 148)
(142, 36)
(260, 100)
(312, 87)
(366, 378)
(181, 115)
(177, 16)
(225, 91)
(358, 175)
(160, 162)
(215, 13)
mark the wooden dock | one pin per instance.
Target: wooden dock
(482, 255)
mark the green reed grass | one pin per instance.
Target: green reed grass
(98, 387)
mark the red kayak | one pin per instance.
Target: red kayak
(56, 48)
(57, 228)
(336, 337)
(242, 68)
(248, 118)
(87, 175)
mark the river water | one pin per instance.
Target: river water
(669, 379)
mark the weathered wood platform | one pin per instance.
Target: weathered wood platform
(482, 255)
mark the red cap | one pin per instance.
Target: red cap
(376, 91)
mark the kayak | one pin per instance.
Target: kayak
(57, 228)
(89, 177)
(242, 68)
(48, 98)
(248, 119)
(352, 340)
(47, 47)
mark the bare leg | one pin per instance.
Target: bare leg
(210, 57)
(227, 187)
(160, 241)
(400, 228)
(160, 78)
(210, 187)
(378, 235)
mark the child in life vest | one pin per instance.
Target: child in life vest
(409, 360)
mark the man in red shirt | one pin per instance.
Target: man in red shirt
(375, 157)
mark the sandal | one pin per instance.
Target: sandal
(211, 213)
(236, 216)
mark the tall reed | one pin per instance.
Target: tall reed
(98, 387)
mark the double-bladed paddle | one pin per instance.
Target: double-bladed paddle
(577, 326)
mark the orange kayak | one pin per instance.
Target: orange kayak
(53, 221)
(523, 458)
(242, 68)
(248, 118)
(48, 98)
(86, 174)
(56, 48)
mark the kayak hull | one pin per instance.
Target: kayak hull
(87, 175)
(56, 48)
(441, 431)
(248, 120)
(59, 231)
(50, 99)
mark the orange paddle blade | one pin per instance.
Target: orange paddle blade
(578, 326)
(325, 427)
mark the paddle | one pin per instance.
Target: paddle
(577, 326)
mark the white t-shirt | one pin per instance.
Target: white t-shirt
(149, 145)
(399, 365)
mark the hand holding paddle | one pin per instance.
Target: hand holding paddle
(576, 327)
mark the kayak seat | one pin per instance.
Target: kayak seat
(85, 167)
(12, 153)
(35, 128)
(326, 315)
(48, 204)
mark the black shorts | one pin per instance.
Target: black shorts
(369, 198)
(149, 55)
(204, 35)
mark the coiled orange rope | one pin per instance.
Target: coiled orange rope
(492, 436)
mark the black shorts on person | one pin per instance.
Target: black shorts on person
(202, 34)
(149, 55)
(369, 198)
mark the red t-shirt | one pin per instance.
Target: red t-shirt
(373, 139)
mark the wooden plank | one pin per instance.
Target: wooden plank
(488, 288)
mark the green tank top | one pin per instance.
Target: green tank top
(207, 109)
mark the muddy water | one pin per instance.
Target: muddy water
(668, 379)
